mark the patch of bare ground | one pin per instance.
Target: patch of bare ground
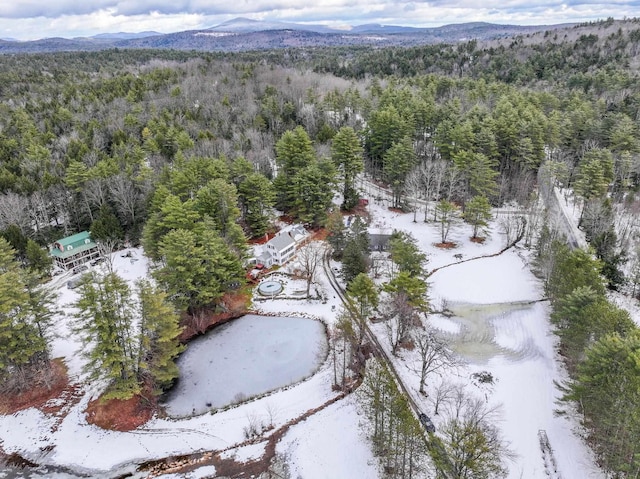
(233, 305)
(44, 387)
(119, 414)
(446, 245)
(477, 239)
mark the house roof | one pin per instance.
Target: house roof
(55, 252)
(73, 239)
(265, 256)
(72, 245)
(281, 241)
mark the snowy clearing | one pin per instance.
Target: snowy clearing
(517, 346)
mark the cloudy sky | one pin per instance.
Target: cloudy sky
(32, 19)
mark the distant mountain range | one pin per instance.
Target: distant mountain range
(242, 34)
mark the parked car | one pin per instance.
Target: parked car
(74, 283)
(426, 422)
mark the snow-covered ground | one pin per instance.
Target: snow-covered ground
(518, 350)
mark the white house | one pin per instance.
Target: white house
(280, 248)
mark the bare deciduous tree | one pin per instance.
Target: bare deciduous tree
(400, 317)
(309, 257)
(433, 352)
(471, 439)
(443, 395)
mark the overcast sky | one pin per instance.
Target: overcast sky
(32, 19)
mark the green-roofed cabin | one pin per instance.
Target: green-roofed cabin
(74, 250)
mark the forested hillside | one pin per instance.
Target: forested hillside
(189, 153)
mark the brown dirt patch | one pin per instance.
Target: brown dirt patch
(446, 245)
(120, 415)
(320, 235)
(477, 239)
(233, 305)
(395, 210)
(48, 385)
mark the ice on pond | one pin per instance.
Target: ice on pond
(244, 358)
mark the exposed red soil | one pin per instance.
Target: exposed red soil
(262, 239)
(41, 390)
(120, 415)
(320, 234)
(234, 304)
(447, 245)
(477, 239)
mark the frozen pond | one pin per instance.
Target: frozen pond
(244, 358)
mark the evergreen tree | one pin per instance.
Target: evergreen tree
(38, 259)
(197, 270)
(414, 288)
(398, 161)
(447, 214)
(294, 153)
(572, 269)
(478, 214)
(582, 317)
(384, 128)
(158, 344)
(406, 254)
(26, 310)
(219, 201)
(172, 214)
(313, 188)
(337, 236)
(257, 197)
(354, 261)
(607, 391)
(363, 298)
(346, 153)
(106, 226)
(105, 323)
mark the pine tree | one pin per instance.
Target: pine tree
(105, 324)
(197, 269)
(106, 226)
(337, 237)
(447, 214)
(362, 299)
(158, 338)
(294, 153)
(406, 254)
(346, 153)
(257, 197)
(607, 392)
(398, 161)
(38, 259)
(478, 214)
(26, 309)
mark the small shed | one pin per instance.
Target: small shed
(74, 250)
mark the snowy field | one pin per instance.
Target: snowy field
(487, 298)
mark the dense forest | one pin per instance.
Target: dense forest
(189, 153)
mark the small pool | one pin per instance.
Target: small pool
(246, 357)
(270, 288)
